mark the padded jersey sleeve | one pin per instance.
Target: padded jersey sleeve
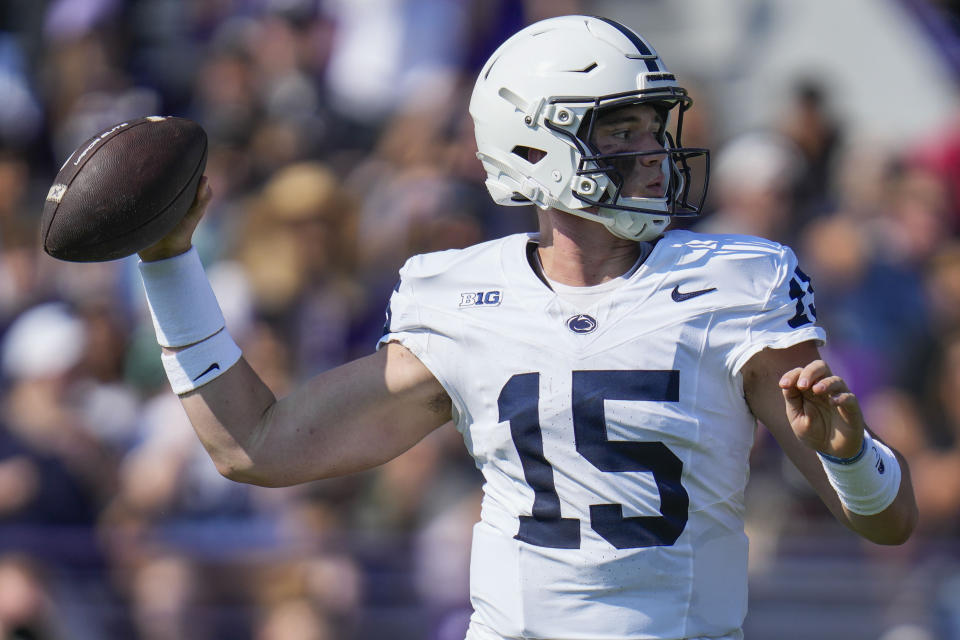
(419, 328)
(402, 323)
(784, 315)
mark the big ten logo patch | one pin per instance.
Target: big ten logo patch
(480, 298)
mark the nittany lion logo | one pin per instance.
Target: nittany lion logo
(581, 323)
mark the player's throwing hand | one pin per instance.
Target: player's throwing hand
(180, 239)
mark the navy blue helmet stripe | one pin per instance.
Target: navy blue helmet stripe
(642, 48)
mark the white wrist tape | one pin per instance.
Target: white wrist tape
(867, 483)
(198, 364)
(182, 304)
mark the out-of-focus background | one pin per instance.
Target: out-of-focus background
(340, 145)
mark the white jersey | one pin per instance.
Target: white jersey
(613, 439)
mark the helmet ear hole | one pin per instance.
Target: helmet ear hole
(530, 154)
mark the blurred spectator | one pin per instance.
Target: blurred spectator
(814, 130)
(176, 528)
(927, 426)
(442, 563)
(85, 84)
(19, 280)
(63, 471)
(313, 596)
(163, 592)
(107, 405)
(940, 154)
(298, 249)
(753, 179)
(417, 55)
(55, 476)
(293, 619)
(871, 335)
(941, 288)
(27, 610)
(20, 111)
(916, 220)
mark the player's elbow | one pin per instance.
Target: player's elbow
(247, 472)
(907, 517)
(891, 537)
(236, 469)
(253, 460)
(248, 465)
(259, 467)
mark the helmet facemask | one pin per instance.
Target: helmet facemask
(601, 178)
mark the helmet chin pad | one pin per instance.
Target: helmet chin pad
(629, 225)
(641, 227)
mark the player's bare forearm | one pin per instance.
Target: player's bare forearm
(347, 419)
(809, 410)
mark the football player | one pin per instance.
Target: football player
(607, 375)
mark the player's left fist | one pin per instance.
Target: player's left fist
(822, 410)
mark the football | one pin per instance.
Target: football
(123, 189)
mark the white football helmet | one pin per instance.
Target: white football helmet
(540, 90)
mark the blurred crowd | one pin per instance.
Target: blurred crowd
(340, 144)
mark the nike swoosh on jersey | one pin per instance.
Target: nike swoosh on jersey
(677, 296)
(213, 367)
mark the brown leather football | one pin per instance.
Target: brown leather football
(123, 189)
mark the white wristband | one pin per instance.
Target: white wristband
(182, 304)
(198, 364)
(867, 483)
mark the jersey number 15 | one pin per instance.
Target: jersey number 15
(518, 405)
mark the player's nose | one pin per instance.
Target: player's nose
(651, 148)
